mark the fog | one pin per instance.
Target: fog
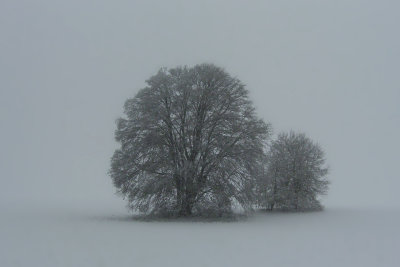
(326, 68)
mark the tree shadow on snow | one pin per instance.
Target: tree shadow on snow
(167, 219)
(288, 211)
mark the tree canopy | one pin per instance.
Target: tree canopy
(190, 142)
(296, 173)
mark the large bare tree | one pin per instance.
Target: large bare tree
(189, 143)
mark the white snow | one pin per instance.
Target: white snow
(109, 237)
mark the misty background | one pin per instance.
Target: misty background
(326, 68)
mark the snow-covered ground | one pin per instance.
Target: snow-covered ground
(109, 237)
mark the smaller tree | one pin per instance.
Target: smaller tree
(296, 173)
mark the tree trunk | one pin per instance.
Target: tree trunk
(186, 206)
(186, 200)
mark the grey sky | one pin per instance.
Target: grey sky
(327, 68)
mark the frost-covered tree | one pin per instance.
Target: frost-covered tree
(296, 173)
(189, 142)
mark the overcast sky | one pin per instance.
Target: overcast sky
(327, 68)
